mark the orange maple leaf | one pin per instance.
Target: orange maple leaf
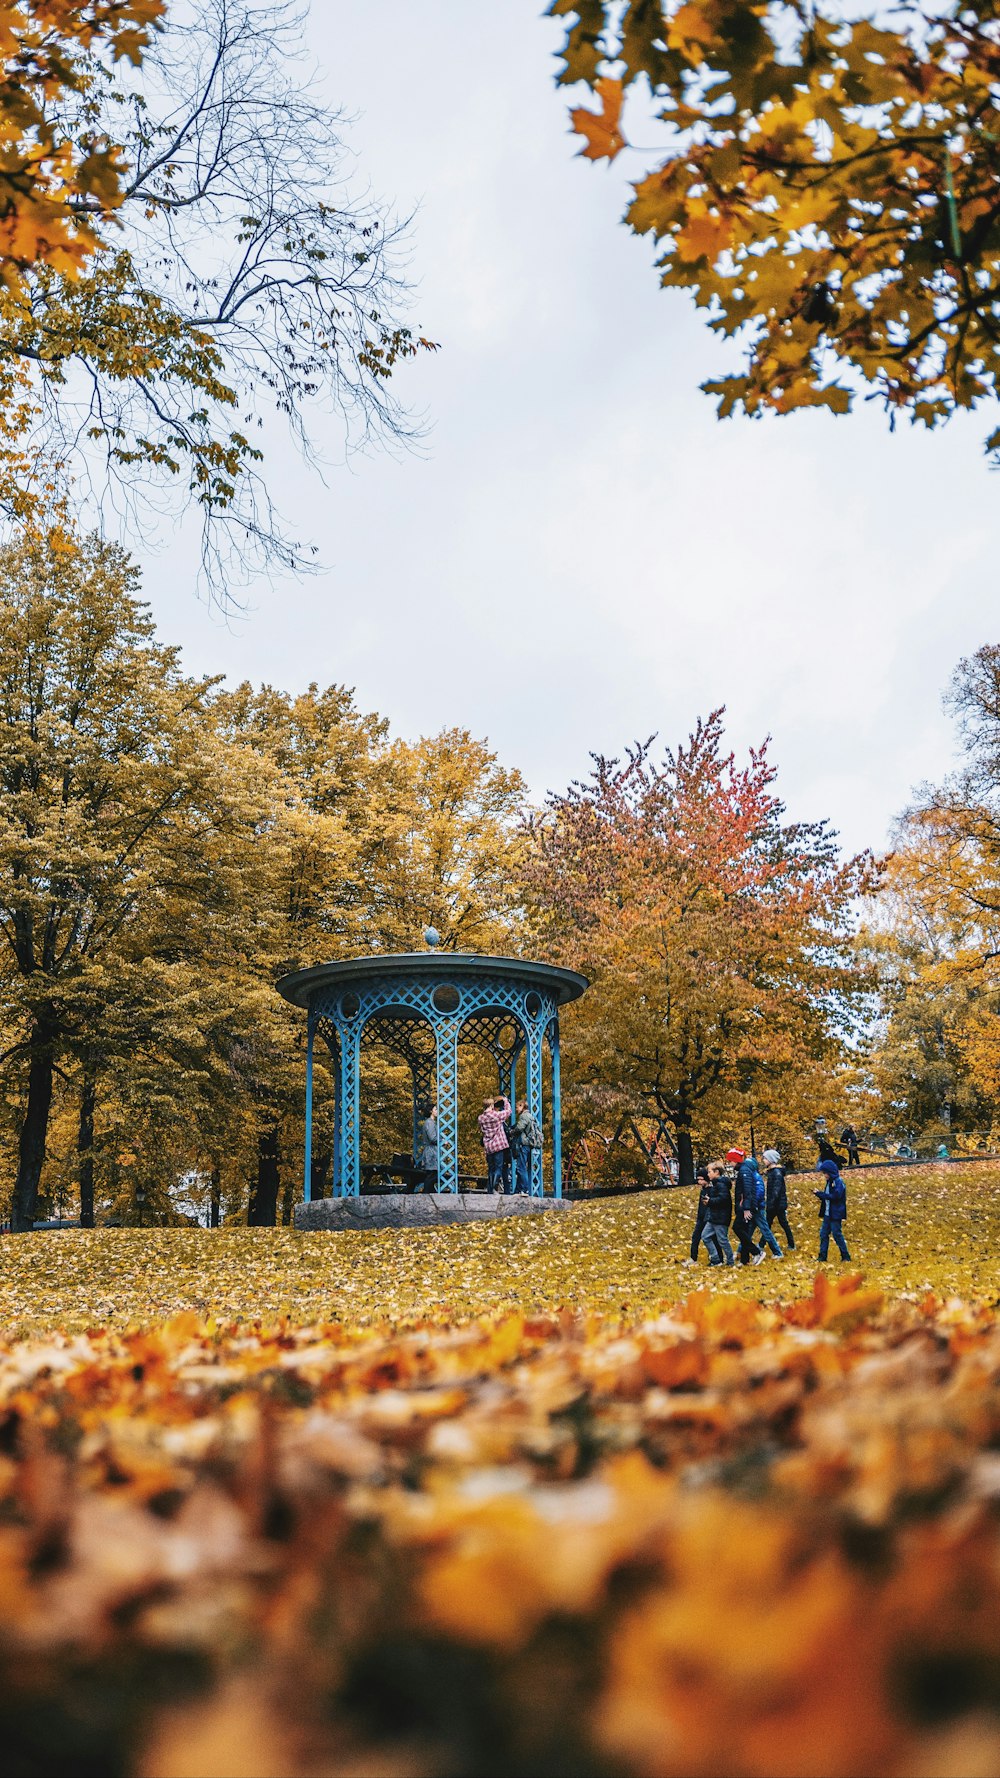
(703, 237)
(604, 138)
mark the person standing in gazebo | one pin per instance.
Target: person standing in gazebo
(493, 1121)
(526, 1137)
(427, 1147)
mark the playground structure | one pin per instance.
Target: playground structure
(424, 1006)
(647, 1140)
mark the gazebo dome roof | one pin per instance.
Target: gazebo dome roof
(430, 966)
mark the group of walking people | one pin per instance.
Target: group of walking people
(735, 1194)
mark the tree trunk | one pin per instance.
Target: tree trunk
(263, 1209)
(320, 1172)
(685, 1153)
(215, 1199)
(85, 1150)
(34, 1129)
(287, 1200)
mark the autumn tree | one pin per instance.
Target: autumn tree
(931, 1002)
(935, 932)
(828, 187)
(715, 934)
(447, 846)
(243, 284)
(313, 853)
(370, 841)
(112, 797)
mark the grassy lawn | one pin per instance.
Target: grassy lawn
(934, 1228)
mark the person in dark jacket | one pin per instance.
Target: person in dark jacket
(833, 1210)
(742, 1213)
(776, 1206)
(701, 1181)
(849, 1138)
(827, 1152)
(750, 1202)
(718, 1201)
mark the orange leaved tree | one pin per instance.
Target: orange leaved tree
(716, 935)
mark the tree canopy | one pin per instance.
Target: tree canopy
(169, 847)
(717, 936)
(827, 189)
(934, 935)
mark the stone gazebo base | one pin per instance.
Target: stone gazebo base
(422, 1210)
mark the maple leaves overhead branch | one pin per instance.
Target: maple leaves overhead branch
(831, 189)
(55, 184)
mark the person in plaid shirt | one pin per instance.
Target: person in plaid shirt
(493, 1124)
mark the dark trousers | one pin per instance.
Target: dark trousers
(781, 1218)
(853, 1157)
(744, 1230)
(826, 1229)
(495, 1168)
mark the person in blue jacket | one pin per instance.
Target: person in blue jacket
(750, 1202)
(833, 1210)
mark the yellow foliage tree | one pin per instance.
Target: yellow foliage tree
(117, 806)
(935, 935)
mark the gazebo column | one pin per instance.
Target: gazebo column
(416, 1110)
(534, 1098)
(556, 1108)
(310, 1035)
(446, 1036)
(337, 1142)
(349, 1118)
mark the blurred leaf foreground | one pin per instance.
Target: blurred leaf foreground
(506, 1502)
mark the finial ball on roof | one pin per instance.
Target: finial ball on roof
(431, 936)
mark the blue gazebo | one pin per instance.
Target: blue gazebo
(424, 1006)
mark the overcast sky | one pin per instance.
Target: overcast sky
(582, 554)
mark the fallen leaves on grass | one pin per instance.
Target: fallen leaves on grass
(729, 1537)
(930, 1228)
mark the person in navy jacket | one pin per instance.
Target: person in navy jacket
(833, 1210)
(750, 1203)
